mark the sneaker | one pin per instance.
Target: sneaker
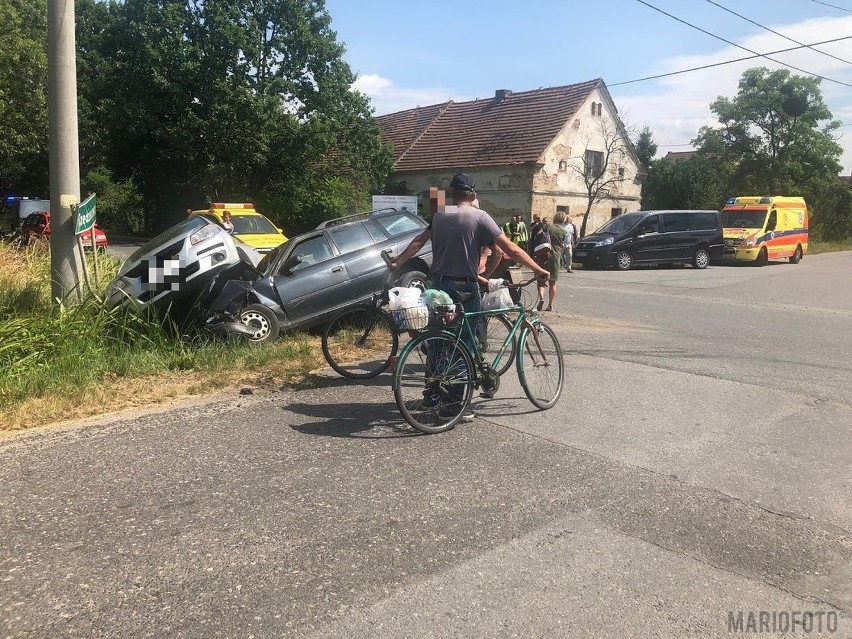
(469, 416)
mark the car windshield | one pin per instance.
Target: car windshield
(742, 219)
(252, 225)
(620, 224)
(186, 227)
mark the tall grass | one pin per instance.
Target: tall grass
(58, 360)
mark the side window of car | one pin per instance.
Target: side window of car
(703, 222)
(772, 221)
(674, 222)
(374, 231)
(312, 251)
(350, 237)
(650, 224)
(398, 224)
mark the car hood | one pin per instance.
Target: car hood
(596, 237)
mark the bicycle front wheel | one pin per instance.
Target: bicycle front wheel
(541, 369)
(359, 342)
(435, 380)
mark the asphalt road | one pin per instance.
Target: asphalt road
(694, 477)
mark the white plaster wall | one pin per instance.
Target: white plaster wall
(553, 187)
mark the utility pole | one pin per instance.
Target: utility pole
(66, 266)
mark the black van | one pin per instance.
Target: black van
(665, 237)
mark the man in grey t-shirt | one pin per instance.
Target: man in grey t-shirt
(458, 239)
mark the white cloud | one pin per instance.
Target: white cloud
(675, 107)
(386, 97)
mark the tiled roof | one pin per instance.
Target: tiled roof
(485, 132)
(678, 155)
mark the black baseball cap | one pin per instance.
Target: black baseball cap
(462, 182)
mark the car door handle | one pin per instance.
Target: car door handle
(337, 269)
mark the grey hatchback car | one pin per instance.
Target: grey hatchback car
(313, 275)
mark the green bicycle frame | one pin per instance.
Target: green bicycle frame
(454, 332)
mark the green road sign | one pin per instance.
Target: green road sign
(85, 218)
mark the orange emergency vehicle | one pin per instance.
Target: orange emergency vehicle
(758, 229)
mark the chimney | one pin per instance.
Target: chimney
(500, 95)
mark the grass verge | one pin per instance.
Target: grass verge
(59, 363)
(818, 246)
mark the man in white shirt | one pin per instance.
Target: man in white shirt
(570, 241)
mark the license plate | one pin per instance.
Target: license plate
(580, 253)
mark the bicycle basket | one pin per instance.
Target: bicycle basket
(412, 318)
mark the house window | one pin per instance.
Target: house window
(593, 161)
(615, 213)
(562, 209)
(621, 171)
(563, 165)
(597, 108)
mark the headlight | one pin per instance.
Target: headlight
(606, 241)
(749, 241)
(202, 234)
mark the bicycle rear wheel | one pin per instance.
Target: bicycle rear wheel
(492, 332)
(435, 380)
(359, 342)
(541, 369)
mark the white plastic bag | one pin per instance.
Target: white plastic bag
(402, 297)
(497, 296)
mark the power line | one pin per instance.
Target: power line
(719, 64)
(762, 55)
(832, 6)
(776, 33)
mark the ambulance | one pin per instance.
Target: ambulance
(758, 229)
(251, 227)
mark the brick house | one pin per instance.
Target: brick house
(526, 151)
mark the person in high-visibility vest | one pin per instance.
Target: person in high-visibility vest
(522, 233)
(510, 228)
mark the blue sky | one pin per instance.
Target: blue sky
(418, 53)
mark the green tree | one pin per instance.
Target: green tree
(771, 131)
(777, 133)
(23, 97)
(646, 148)
(697, 182)
(199, 101)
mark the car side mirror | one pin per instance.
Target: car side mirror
(290, 263)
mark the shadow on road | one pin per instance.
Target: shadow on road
(370, 421)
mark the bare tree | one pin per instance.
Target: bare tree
(600, 167)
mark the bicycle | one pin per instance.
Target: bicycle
(362, 342)
(437, 371)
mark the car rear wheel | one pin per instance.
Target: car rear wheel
(701, 258)
(623, 261)
(414, 278)
(263, 320)
(796, 257)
